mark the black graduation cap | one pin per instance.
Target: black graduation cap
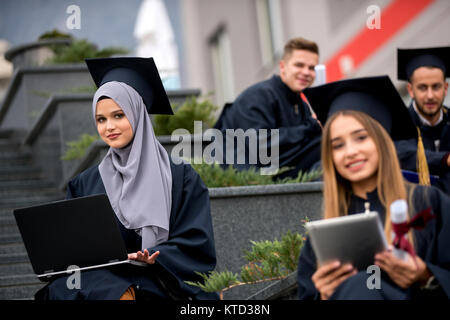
(375, 96)
(409, 60)
(139, 73)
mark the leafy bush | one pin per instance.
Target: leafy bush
(77, 148)
(214, 176)
(82, 49)
(55, 34)
(185, 115)
(78, 50)
(267, 260)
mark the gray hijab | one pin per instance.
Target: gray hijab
(137, 178)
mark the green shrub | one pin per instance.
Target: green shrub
(214, 176)
(55, 34)
(82, 49)
(185, 115)
(78, 148)
(267, 260)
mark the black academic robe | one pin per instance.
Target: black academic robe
(190, 247)
(432, 244)
(270, 104)
(407, 149)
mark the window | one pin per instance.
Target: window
(270, 29)
(220, 48)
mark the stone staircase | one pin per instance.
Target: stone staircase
(21, 184)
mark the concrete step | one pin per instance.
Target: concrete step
(22, 292)
(8, 173)
(6, 134)
(23, 279)
(13, 247)
(7, 220)
(20, 186)
(15, 158)
(17, 279)
(26, 185)
(11, 134)
(9, 145)
(10, 258)
(8, 225)
(6, 212)
(8, 203)
(11, 189)
(6, 239)
(16, 268)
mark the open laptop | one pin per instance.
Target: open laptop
(354, 239)
(80, 233)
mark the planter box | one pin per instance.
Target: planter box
(242, 214)
(285, 289)
(64, 118)
(34, 53)
(31, 87)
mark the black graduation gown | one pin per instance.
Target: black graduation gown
(432, 244)
(190, 247)
(270, 104)
(407, 149)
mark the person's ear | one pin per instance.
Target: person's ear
(282, 65)
(410, 90)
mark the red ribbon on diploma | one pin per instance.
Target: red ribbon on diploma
(418, 222)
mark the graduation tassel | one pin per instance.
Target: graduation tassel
(421, 162)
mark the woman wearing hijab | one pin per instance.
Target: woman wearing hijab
(162, 208)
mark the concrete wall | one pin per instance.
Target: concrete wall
(201, 20)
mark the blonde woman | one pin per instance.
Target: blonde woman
(360, 166)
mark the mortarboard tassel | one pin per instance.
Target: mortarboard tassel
(421, 163)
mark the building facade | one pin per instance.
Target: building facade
(229, 45)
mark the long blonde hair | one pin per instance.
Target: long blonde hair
(390, 183)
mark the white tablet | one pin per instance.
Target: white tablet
(351, 239)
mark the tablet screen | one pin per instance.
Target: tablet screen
(351, 239)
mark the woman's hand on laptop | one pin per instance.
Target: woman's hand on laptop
(329, 276)
(144, 256)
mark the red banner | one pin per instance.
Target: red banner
(367, 42)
